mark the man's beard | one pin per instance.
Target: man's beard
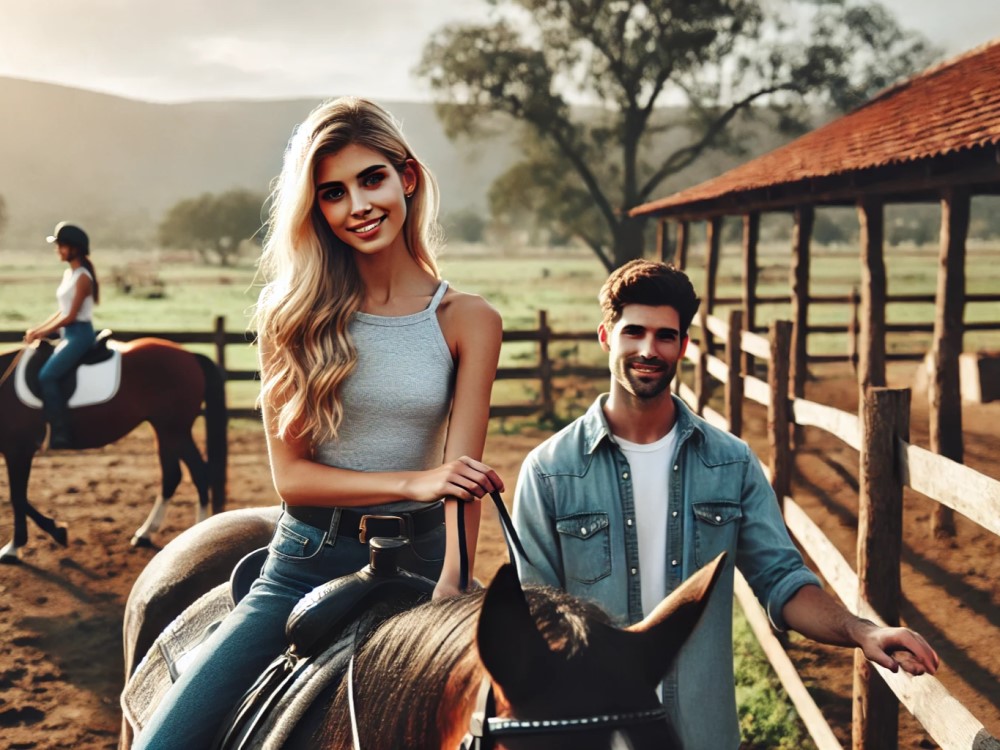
(647, 386)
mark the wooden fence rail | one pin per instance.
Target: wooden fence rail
(887, 463)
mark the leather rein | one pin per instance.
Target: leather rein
(484, 726)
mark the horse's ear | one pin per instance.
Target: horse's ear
(656, 640)
(511, 648)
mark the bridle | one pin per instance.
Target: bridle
(484, 726)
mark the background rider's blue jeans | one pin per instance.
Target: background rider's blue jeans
(79, 337)
(253, 634)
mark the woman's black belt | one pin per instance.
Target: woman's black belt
(363, 526)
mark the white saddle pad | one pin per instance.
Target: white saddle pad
(171, 653)
(95, 383)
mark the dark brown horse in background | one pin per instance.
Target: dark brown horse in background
(161, 383)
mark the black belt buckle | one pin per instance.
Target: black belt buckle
(363, 526)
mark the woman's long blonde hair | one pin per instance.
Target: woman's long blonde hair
(313, 286)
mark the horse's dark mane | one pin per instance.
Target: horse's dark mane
(421, 662)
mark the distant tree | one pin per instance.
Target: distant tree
(585, 167)
(3, 215)
(467, 225)
(213, 225)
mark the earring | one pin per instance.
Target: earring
(409, 194)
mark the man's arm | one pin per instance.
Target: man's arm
(815, 614)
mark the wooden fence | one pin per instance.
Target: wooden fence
(888, 462)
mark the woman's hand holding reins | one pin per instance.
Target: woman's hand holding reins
(462, 479)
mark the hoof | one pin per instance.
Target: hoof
(61, 535)
(141, 542)
(10, 555)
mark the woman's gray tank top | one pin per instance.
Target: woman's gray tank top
(397, 399)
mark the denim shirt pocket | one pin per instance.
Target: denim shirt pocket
(716, 528)
(586, 545)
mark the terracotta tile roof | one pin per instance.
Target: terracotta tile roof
(950, 107)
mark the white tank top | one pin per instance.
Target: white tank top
(67, 291)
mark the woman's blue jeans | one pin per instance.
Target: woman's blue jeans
(300, 558)
(79, 337)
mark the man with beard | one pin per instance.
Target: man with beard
(636, 495)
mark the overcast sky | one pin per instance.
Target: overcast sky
(179, 50)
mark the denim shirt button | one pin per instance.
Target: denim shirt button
(634, 571)
(624, 475)
(677, 467)
(628, 522)
(674, 514)
(583, 530)
(673, 563)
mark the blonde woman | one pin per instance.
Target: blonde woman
(376, 381)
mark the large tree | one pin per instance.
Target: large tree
(589, 79)
(213, 225)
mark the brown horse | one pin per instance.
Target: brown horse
(161, 383)
(560, 675)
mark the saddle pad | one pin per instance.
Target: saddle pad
(95, 383)
(171, 651)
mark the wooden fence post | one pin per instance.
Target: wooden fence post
(545, 365)
(663, 253)
(220, 343)
(777, 410)
(734, 384)
(885, 421)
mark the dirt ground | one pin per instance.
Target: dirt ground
(61, 610)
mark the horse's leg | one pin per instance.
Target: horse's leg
(18, 472)
(198, 469)
(170, 468)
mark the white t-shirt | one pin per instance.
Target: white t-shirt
(649, 465)
(67, 291)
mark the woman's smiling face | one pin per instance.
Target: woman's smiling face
(363, 197)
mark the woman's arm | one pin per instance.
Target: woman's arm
(300, 480)
(58, 320)
(475, 330)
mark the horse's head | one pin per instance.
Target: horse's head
(557, 663)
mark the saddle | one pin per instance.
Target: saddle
(323, 631)
(30, 390)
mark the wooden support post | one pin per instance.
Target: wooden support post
(871, 352)
(852, 329)
(734, 384)
(885, 421)
(701, 381)
(944, 389)
(663, 252)
(545, 365)
(777, 410)
(751, 235)
(219, 335)
(799, 282)
(681, 251)
(713, 230)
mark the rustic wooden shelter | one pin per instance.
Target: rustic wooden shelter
(933, 138)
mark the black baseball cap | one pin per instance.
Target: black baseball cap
(70, 234)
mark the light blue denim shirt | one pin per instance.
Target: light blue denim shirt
(575, 513)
